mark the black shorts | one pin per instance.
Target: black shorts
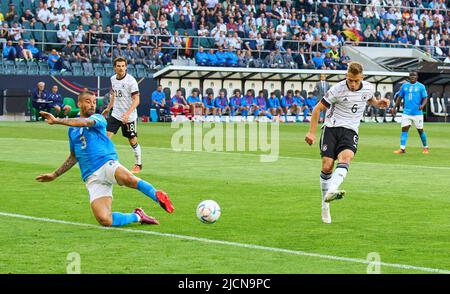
(335, 140)
(128, 130)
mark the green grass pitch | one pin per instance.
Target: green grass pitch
(396, 205)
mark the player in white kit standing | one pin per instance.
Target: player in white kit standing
(124, 100)
(344, 104)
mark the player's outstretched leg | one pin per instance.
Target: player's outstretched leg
(101, 207)
(126, 178)
(336, 180)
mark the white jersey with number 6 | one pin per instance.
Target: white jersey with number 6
(123, 90)
(345, 107)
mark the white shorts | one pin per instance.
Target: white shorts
(408, 120)
(101, 182)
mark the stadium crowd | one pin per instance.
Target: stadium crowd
(249, 33)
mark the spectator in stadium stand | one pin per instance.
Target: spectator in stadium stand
(22, 53)
(201, 57)
(9, 51)
(37, 54)
(319, 61)
(55, 62)
(211, 58)
(231, 57)
(11, 14)
(100, 54)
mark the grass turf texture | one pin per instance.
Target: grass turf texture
(396, 205)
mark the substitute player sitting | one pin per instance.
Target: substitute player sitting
(100, 169)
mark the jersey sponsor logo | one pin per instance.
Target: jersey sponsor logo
(324, 147)
(355, 139)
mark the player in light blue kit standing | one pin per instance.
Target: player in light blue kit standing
(100, 169)
(415, 99)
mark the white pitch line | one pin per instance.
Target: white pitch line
(228, 243)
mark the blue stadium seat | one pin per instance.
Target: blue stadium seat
(140, 70)
(109, 70)
(21, 68)
(50, 34)
(38, 36)
(77, 70)
(9, 67)
(98, 69)
(33, 68)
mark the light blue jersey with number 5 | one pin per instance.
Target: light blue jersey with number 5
(412, 94)
(91, 146)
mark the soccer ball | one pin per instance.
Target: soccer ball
(208, 211)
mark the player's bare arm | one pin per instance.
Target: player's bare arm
(68, 164)
(110, 104)
(382, 103)
(71, 122)
(397, 104)
(311, 135)
(424, 103)
(136, 101)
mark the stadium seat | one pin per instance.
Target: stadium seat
(38, 35)
(9, 67)
(43, 68)
(99, 102)
(132, 70)
(436, 107)
(26, 35)
(98, 69)
(278, 93)
(88, 69)
(21, 68)
(140, 70)
(71, 102)
(183, 92)
(304, 93)
(167, 93)
(109, 69)
(50, 34)
(77, 69)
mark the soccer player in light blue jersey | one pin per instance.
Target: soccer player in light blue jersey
(99, 166)
(415, 97)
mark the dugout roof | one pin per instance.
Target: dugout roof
(269, 74)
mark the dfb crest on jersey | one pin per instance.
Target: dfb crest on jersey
(364, 97)
(324, 147)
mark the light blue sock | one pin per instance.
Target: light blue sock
(285, 116)
(296, 116)
(403, 139)
(423, 137)
(122, 219)
(147, 189)
(269, 116)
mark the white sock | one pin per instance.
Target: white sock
(338, 177)
(137, 153)
(324, 183)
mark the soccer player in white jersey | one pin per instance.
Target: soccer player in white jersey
(124, 100)
(344, 104)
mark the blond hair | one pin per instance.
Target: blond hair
(355, 68)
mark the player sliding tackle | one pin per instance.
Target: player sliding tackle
(344, 104)
(100, 169)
